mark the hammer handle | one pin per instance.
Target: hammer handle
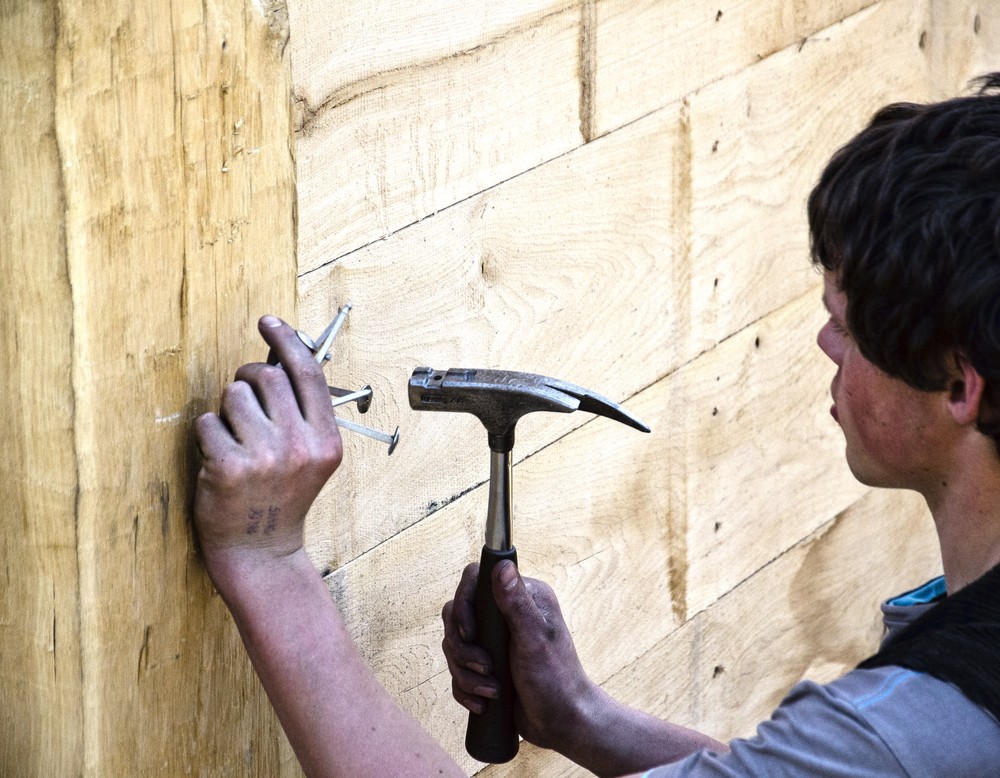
(492, 734)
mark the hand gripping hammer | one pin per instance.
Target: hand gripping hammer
(499, 398)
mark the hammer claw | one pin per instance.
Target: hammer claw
(592, 402)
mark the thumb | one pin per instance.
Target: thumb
(513, 599)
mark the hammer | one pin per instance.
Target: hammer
(499, 398)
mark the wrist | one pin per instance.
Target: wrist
(237, 570)
(585, 721)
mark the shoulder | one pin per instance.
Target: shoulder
(882, 722)
(929, 725)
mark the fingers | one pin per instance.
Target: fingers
(468, 664)
(305, 376)
(273, 388)
(465, 603)
(212, 436)
(241, 411)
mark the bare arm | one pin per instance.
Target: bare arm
(266, 455)
(559, 706)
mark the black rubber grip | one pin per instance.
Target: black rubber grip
(492, 734)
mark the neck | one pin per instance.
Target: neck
(966, 511)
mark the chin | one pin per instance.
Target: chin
(868, 475)
(864, 473)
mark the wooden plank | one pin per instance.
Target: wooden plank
(151, 222)
(756, 155)
(336, 49)
(814, 616)
(39, 629)
(650, 53)
(407, 143)
(566, 271)
(962, 42)
(756, 429)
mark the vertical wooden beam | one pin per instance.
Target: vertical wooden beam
(40, 684)
(153, 222)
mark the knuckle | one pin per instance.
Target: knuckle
(308, 369)
(272, 376)
(233, 391)
(330, 455)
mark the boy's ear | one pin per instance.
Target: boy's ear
(966, 388)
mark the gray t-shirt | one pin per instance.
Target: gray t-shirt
(886, 721)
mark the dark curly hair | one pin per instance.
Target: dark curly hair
(907, 215)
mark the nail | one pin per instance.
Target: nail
(392, 440)
(326, 339)
(270, 321)
(486, 691)
(306, 339)
(343, 396)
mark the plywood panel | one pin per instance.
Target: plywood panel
(653, 52)
(410, 142)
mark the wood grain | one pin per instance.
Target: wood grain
(409, 142)
(149, 150)
(567, 271)
(40, 683)
(652, 52)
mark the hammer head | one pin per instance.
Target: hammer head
(500, 397)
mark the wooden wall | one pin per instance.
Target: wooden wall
(611, 193)
(147, 221)
(607, 192)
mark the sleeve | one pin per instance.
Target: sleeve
(815, 731)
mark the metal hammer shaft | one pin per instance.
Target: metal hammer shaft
(499, 512)
(492, 735)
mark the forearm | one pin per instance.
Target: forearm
(611, 739)
(338, 718)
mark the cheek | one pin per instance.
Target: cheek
(886, 423)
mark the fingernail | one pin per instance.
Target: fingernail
(477, 668)
(508, 575)
(486, 691)
(461, 632)
(270, 321)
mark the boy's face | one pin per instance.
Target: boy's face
(893, 432)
